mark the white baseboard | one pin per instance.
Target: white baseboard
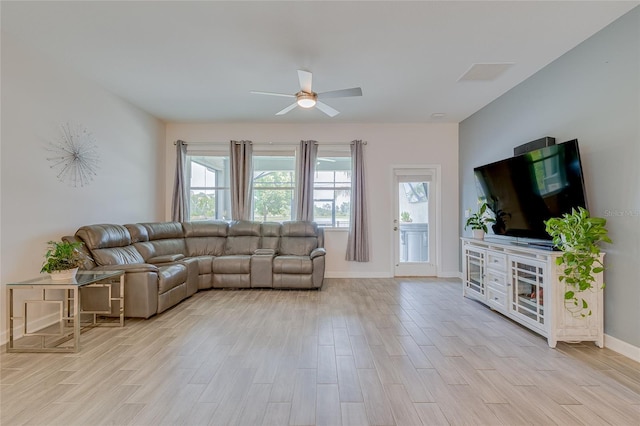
(338, 274)
(450, 274)
(623, 348)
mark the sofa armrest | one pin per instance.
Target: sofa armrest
(320, 251)
(131, 267)
(262, 268)
(141, 283)
(167, 258)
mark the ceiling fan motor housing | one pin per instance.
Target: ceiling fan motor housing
(306, 99)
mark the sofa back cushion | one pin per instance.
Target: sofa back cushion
(243, 237)
(270, 235)
(109, 244)
(161, 239)
(298, 238)
(207, 237)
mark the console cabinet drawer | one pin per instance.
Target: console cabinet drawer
(497, 261)
(496, 280)
(496, 298)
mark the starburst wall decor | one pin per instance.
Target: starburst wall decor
(74, 155)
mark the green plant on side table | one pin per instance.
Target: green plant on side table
(478, 221)
(62, 256)
(578, 234)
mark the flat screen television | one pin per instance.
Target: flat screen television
(525, 190)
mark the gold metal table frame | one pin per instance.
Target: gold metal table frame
(68, 325)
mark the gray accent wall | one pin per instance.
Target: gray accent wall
(591, 93)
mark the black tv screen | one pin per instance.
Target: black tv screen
(526, 190)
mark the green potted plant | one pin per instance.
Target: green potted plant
(578, 234)
(63, 259)
(478, 221)
(405, 217)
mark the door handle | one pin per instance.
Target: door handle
(395, 228)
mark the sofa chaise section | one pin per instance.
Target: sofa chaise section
(162, 244)
(150, 289)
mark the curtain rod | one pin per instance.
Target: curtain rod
(269, 143)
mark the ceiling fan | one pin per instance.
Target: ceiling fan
(307, 98)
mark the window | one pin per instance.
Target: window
(209, 187)
(332, 192)
(273, 187)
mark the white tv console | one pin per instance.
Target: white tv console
(521, 282)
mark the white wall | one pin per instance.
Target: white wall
(591, 93)
(388, 144)
(37, 97)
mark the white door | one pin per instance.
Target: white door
(414, 224)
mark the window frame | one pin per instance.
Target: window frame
(335, 187)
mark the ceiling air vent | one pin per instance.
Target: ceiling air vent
(485, 72)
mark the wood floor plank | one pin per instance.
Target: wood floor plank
(303, 405)
(361, 351)
(328, 411)
(277, 414)
(255, 405)
(348, 380)
(430, 414)
(403, 410)
(375, 400)
(353, 414)
(327, 370)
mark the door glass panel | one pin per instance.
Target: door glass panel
(413, 202)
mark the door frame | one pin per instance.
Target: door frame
(436, 170)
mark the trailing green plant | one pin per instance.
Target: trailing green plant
(479, 219)
(578, 234)
(62, 255)
(405, 217)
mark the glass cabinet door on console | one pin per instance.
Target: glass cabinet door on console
(527, 290)
(474, 272)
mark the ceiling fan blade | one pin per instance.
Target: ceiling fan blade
(327, 109)
(305, 78)
(287, 109)
(343, 93)
(285, 95)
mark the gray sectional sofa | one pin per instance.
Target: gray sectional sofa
(166, 262)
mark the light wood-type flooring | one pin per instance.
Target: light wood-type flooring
(361, 351)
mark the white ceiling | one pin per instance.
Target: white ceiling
(197, 61)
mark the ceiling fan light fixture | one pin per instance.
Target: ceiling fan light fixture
(306, 100)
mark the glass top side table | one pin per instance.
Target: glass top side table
(67, 327)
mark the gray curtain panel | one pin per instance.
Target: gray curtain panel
(358, 242)
(180, 200)
(305, 168)
(241, 159)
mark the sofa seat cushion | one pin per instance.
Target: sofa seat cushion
(171, 276)
(204, 264)
(238, 264)
(292, 265)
